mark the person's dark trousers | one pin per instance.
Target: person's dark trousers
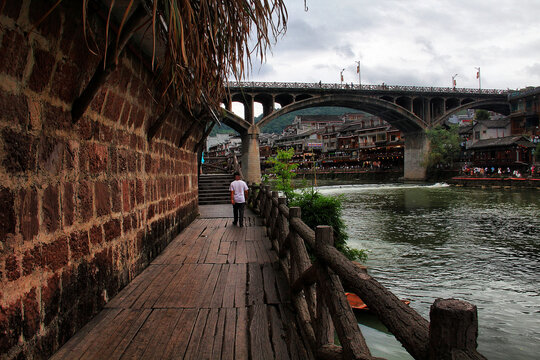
(238, 212)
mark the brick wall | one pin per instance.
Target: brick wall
(83, 207)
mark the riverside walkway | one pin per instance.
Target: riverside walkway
(216, 292)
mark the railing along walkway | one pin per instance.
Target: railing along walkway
(215, 292)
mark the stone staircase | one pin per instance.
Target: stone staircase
(214, 189)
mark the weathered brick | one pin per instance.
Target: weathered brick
(105, 134)
(99, 100)
(16, 45)
(28, 216)
(7, 215)
(66, 82)
(97, 158)
(113, 106)
(113, 160)
(132, 193)
(14, 108)
(10, 326)
(13, 270)
(103, 202)
(55, 254)
(132, 162)
(126, 113)
(122, 161)
(85, 203)
(31, 314)
(126, 223)
(51, 25)
(139, 192)
(57, 118)
(12, 9)
(96, 235)
(21, 150)
(116, 196)
(51, 211)
(71, 160)
(51, 155)
(125, 196)
(68, 204)
(79, 245)
(50, 299)
(112, 229)
(41, 73)
(32, 260)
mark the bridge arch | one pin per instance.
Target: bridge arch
(392, 113)
(498, 106)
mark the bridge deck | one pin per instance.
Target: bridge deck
(214, 293)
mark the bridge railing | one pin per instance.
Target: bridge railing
(381, 87)
(317, 292)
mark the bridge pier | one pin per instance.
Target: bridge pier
(416, 147)
(251, 161)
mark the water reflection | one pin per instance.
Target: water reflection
(479, 245)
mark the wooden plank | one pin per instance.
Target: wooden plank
(230, 288)
(255, 285)
(229, 335)
(207, 339)
(217, 296)
(179, 340)
(278, 334)
(118, 335)
(205, 300)
(133, 290)
(224, 248)
(205, 249)
(241, 350)
(231, 257)
(169, 294)
(241, 252)
(191, 288)
(153, 292)
(282, 285)
(218, 338)
(138, 345)
(163, 333)
(83, 338)
(251, 252)
(269, 280)
(196, 335)
(175, 247)
(260, 345)
(240, 294)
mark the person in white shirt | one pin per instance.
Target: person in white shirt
(239, 194)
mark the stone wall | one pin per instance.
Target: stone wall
(83, 207)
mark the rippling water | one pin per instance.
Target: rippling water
(429, 242)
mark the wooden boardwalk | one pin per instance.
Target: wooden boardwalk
(215, 292)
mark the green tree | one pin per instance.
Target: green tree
(283, 169)
(444, 146)
(482, 115)
(317, 209)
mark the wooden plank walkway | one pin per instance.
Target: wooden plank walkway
(215, 292)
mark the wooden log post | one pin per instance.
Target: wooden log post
(262, 208)
(281, 233)
(330, 287)
(297, 266)
(274, 212)
(453, 330)
(268, 208)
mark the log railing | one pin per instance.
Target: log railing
(317, 293)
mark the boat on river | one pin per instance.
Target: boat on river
(357, 303)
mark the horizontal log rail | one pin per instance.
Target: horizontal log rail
(317, 293)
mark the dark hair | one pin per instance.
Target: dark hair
(237, 174)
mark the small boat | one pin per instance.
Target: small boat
(357, 303)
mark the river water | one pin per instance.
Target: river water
(436, 241)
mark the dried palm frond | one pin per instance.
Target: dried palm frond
(205, 41)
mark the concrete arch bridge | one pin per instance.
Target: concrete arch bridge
(411, 109)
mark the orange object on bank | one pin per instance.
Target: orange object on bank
(357, 303)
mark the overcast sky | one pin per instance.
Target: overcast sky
(408, 42)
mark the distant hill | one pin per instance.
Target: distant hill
(278, 124)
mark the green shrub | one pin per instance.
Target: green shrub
(318, 209)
